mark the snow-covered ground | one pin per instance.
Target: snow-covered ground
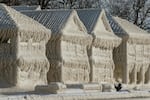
(122, 95)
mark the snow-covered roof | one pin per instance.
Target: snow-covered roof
(132, 33)
(53, 20)
(26, 7)
(97, 24)
(128, 30)
(63, 23)
(129, 27)
(89, 17)
(115, 26)
(13, 23)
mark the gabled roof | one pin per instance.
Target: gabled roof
(61, 22)
(97, 24)
(114, 25)
(89, 17)
(129, 27)
(13, 23)
(26, 7)
(134, 33)
(93, 18)
(53, 20)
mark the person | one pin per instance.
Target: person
(118, 87)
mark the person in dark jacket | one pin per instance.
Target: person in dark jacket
(118, 87)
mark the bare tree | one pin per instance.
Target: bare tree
(89, 4)
(136, 11)
(119, 8)
(141, 12)
(67, 3)
(10, 2)
(43, 3)
(78, 4)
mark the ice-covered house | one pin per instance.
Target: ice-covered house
(67, 48)
(133, 55)
(101, 50)
(23, 61)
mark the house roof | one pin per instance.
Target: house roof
(64, 23)
(114, 25)
(26, 7)
(97, 24)
(129, 27)
(133, 32)
(53, 20)
(89, 17)
(13, 23)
